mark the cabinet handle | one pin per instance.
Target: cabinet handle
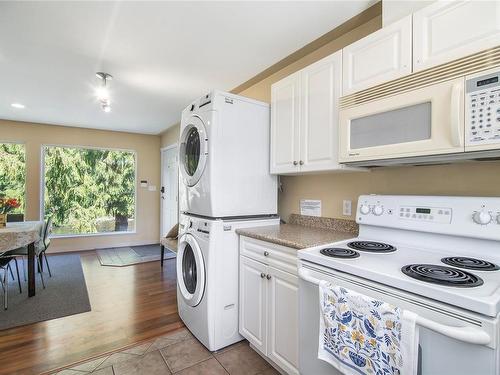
(266, 253)
(268, 277)
(301, 162)
(262, 275)
(295, 162)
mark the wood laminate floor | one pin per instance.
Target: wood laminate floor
(129, 305)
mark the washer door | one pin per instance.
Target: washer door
(193, 151)
(190, 270)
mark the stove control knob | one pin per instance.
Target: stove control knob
(481, 217)
(378, 210)
(364, 209)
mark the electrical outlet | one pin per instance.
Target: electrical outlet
(347, 208)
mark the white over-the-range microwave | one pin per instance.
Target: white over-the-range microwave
(423, 120)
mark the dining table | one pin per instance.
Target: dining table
(22, 234)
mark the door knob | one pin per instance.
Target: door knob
(295, 162)
(301, 162)
(262, 275)
(268, 277)
(266, 253)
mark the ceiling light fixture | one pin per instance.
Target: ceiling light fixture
(102, 92)
(18, 105)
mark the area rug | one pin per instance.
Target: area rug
(127, 256)
(65, 294)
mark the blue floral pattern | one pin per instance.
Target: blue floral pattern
(359, 335)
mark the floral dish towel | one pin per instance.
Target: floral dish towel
(361, 335)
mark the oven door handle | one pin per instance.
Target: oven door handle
(470, 335)
(466, 334)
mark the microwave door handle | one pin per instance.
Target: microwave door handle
(470, 335)
(455, 123)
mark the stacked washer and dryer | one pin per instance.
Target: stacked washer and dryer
(225, 184)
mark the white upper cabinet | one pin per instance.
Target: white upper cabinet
(321, 84)
(285, 118)
(379, 57)
(445, 31)
(304, 120)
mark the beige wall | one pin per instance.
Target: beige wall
(148, 168)
(170, 136)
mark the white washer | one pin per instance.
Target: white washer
(224, 158)
(207, 277)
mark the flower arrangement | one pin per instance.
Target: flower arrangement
(8, 204)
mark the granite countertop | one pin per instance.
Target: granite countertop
(298, 235)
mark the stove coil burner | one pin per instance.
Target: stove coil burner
(337, 252)
(470, 263)
(442, 275)
(374, 247)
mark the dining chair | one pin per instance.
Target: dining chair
(40, 248)
(4, 280)
(15, 218)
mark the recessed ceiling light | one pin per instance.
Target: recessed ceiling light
(18, 105)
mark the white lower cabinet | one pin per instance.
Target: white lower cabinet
(269, 304)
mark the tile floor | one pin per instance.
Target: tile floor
(177, 353)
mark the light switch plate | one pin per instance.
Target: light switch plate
(347, 208)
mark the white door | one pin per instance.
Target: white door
(285, 122)
(253, 302)
(379, 57)
(283, 320)
(321, 84)
(448, 30)
(169, 189)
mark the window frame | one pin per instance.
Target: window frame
(25, 171)
(43, 148)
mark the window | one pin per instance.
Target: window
(89, 191)
(13, 173)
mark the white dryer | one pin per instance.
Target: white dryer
(224, 158)
(207, 277)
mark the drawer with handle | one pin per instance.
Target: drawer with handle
(282, 257)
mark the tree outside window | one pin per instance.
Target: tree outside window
(89, 190)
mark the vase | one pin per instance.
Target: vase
(3, 220)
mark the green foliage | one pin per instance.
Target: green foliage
(13, 173)
(83, 187)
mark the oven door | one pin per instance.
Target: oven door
(459, 343)
(421, 122)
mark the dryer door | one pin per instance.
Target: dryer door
(193, 151)
(190, 270)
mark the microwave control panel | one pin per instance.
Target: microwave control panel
(482, 108)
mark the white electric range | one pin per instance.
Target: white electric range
(436, 256)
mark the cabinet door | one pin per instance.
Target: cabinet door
(445, 31)
(253, 303)
(285, 117)
(379, 57)
(321, 85)
(283, 322)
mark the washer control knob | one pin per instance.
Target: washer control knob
(378, 210)
(481, 217)
(364, 209)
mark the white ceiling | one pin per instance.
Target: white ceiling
(162, 54)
